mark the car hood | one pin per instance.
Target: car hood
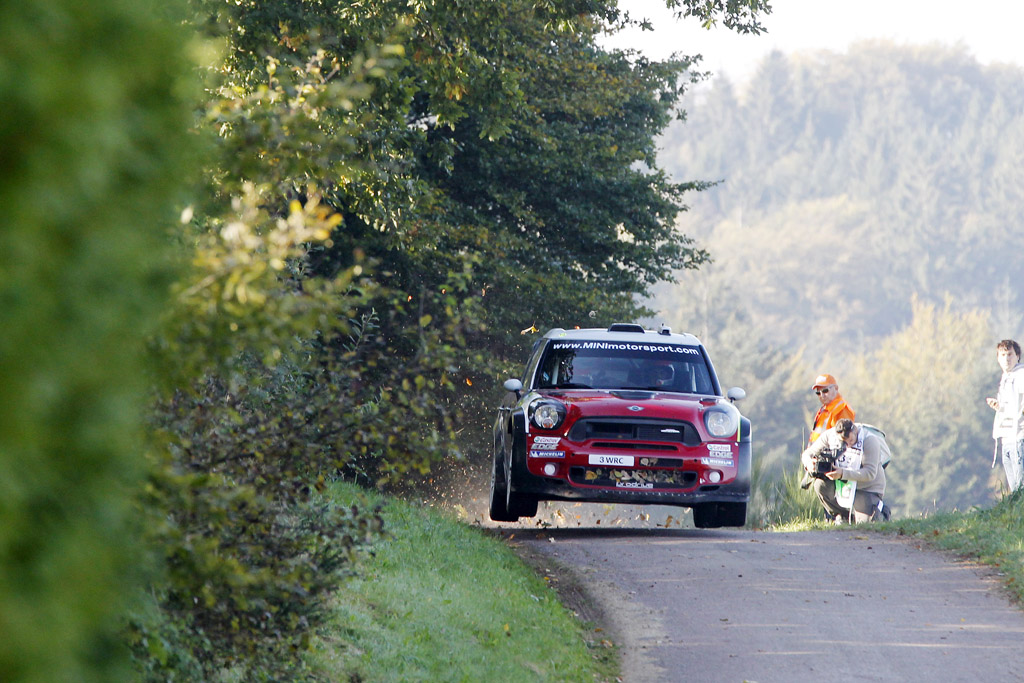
(632, 403)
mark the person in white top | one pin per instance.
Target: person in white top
(1008, 424)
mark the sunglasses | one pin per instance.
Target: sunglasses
(819, 392)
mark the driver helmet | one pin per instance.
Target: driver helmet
(664, 373)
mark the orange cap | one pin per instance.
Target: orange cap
(824, 381)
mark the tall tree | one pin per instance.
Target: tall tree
(506, 159)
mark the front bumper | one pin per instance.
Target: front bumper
(636, 473)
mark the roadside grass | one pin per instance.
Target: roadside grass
(781, 505)
(440, 600)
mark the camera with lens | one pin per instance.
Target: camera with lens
(825, 461)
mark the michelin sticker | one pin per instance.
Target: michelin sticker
(717, 462)
(547, 454)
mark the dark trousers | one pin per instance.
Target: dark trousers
(865, 503)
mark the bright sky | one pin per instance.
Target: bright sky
(989, 29)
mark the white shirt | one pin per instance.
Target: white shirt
(1009, 419)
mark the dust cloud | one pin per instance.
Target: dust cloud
(465, 494)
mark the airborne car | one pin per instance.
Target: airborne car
(622, 415)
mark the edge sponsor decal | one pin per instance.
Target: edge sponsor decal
(545, 446)
(547, 454)
(717, 462)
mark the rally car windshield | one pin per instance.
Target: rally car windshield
(610, 365)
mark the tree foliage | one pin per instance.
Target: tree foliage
(276, 387)
(93, 142)
(742, 16)
(501, 158)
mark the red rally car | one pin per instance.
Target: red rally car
(623, 415)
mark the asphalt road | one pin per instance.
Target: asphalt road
(736, 605)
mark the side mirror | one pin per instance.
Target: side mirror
(516, 386)
(734, 394)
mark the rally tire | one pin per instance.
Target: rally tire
(732, 514)
(715, 515)
(518, 504)
(498, 500)
(522, 505)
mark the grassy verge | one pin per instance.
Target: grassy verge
(443, 601)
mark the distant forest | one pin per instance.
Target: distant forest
(867, 223)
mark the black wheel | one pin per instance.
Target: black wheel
(732, 514)
(714, 515)
(498, 508)
(705, 516)
(521, 505)
(518, 504)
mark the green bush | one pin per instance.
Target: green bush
(91, 151)
(251, 548)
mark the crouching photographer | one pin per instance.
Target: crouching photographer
(847, 454)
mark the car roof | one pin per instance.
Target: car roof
(621, 332)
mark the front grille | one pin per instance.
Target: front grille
(635, 446)
(661, 462)
(616, 430)
(640, 480)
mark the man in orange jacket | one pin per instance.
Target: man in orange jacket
(833, 407)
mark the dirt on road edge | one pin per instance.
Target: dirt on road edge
(577, 598)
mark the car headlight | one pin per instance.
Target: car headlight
(721, 423)
(547, 414)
